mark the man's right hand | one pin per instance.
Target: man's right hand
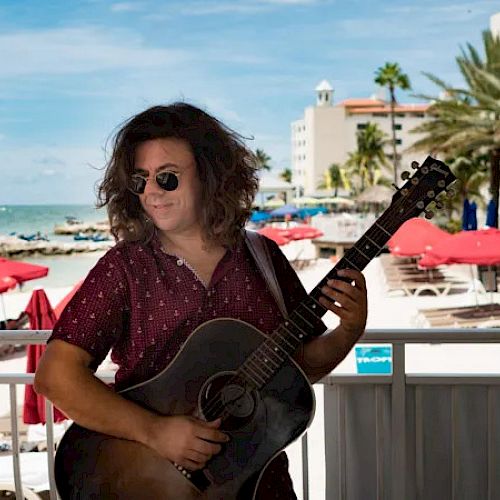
(186, 441)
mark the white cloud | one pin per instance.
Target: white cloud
(241, 7)
(70, 178)
(127, 7)
(80, 50)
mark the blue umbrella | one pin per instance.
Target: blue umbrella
(472, 216)
(285, 210)
(492, 214)
(259, 216)
(465, 215)
(311, 212)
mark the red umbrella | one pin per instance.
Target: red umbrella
(42, 317)
(279, 236)
(21, 271)
(304, 232)
(415, 237)
(6, 283)
(64, 302)
(480, 247)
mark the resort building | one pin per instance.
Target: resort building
(326, 133)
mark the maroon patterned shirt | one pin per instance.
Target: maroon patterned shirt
(143, 304)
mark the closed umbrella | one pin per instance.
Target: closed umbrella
(65, 300)
(42, 317)
(492, 214)
(472, 216)
(465, 215)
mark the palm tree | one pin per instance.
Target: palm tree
(467, 121)
(333, 179)
(369, 158)
(391, 76)
(286, 175)
(263, 160)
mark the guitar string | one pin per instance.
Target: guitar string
(215, 403)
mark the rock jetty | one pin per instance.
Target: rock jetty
(82, 227)
(11, 246)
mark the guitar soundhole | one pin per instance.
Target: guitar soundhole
(226, 395)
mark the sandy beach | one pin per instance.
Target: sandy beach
(386, 310)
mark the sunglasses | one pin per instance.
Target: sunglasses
(168, 181)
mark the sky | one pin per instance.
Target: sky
(73, 71)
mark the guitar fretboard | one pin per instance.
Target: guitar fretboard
(305, 321)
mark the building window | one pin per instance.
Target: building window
(398, 126)
(399, 141)
(361, 126)
(382, 115)
(400, 115)
(419, 115)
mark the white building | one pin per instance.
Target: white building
(327, 133)
(495, 24)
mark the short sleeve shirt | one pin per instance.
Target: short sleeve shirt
(143, 304)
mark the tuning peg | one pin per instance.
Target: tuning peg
(414, 181)
(441, 183)
(414, 164)
(431, 194)
(429, 214)
(395, 186)
(439, 205)
(405, 175)
(450, 193)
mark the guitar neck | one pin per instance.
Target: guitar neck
(431, 179)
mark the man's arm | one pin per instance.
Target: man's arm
(321, 355)
(64, 377)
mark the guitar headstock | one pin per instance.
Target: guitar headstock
(421, 190)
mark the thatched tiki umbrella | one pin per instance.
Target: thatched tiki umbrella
(376, 194)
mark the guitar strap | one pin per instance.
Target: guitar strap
(262, 258)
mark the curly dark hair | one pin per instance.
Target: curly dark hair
(226, 167)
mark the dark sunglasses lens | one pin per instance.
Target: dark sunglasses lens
(167, 181)
(137, 184)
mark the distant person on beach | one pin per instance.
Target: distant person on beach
(179, 188)
(13, 324)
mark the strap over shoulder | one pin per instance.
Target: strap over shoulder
(260, 253)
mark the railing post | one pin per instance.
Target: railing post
(15, 442)
(398, 422)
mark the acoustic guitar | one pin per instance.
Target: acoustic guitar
(229, 369)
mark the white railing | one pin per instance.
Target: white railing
(335, 384)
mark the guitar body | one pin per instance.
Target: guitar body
(259, 422)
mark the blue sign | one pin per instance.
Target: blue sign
(374, 359)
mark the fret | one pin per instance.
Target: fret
(362, 253)
(302, 330)
(373, 242)
(269, 349)
(351, 263)
(248, 376)
(265, 357)
(257, 374)
(289, 327)
(261, 364)
(383, 229)
(277, 333)
(271, 339)
(310, 313)
(319, 304)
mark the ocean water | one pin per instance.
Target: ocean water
(28, 219)
(64, 270)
